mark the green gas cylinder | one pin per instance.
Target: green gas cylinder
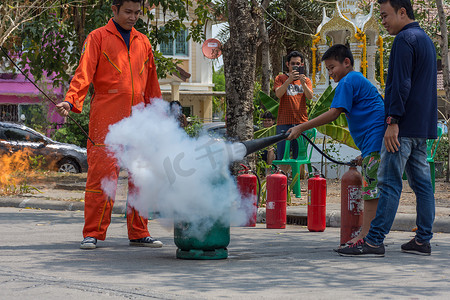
(206, 234)
(211, 244)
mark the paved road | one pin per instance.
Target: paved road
(40, 259)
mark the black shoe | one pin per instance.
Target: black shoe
(414, 248)
(146, 242)
(88, 243)
(349, 243)
(361, 248)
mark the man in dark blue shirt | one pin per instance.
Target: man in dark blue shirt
(411, 119)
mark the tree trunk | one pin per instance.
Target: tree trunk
(445, 69)
(239, 59)
(265, 54)
(79, 15)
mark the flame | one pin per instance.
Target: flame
(14, 169)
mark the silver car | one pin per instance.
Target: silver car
(53, 155)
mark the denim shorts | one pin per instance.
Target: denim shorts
(369, 170)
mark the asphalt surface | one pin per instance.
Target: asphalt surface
(40, 258)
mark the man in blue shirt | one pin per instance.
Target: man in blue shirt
(411, 119)
(362, 104)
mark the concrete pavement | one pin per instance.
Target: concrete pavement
(40, 258)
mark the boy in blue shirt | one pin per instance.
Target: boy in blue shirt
(364, 108)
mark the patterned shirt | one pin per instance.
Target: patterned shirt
(292, 108)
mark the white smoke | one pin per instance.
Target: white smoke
(109, 187)
(182, 178)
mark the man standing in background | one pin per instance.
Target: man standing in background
(292, 89)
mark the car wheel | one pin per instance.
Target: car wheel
(68, 165)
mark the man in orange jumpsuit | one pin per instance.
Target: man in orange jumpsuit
(118, 60)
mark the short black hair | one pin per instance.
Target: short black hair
(338, 52)
(294, 54)
(174, 102)
(267, 115)
(397, 4)
(119, 3)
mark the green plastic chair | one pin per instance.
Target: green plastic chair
(430, 155)
(303, 158)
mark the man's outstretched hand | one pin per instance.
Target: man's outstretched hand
(294, 132)
(63, 109)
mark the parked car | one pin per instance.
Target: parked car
(218, 129)
(55, 155)
(215, 129)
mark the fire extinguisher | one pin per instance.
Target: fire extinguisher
(317, 193)
(247, 187)
(276, 187)
(351, 204)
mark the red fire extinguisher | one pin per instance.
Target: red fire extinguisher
(276, 187)
(317, 194)
(247, 187)
(351, 204)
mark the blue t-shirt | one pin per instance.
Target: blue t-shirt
(364, 109)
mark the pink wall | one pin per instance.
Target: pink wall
(18, 90)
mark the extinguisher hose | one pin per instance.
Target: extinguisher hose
(259, 187)
(351, 163)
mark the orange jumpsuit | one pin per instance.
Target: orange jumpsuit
(122, 78)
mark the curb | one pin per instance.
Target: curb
(402, 222)
(52, 204)
(297, 215)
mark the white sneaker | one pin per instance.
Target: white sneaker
(88, 243)
(146, 242)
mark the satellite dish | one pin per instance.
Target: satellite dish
(212, 48)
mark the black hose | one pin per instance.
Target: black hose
(48, 98)
(351, 163)
(259, 188)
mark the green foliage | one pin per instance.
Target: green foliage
(323, 103)
(194, 127)
(442, 150)
(302, 16)
(70, 132)
(219, 103)
(43, 47)
(165, 65)
(51, 42)
(265, 132)
(258, 109)
(219, 79)
(37, 162)
(36, 116)
(269, 103)
(17, 188)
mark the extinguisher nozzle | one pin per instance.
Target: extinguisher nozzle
(259, 144)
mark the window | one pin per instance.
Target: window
(9, 113)
(176, 45)
(15, 134)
